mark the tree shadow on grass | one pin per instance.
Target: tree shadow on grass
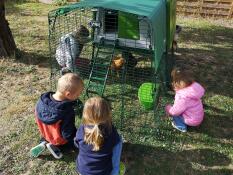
(216, 126)
(209, 57)
(147, 160)
(215, 75)
(212, 34)
(31, 58)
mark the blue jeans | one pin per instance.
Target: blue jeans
(179, 123)
(116, 158)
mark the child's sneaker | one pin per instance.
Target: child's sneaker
(54, 151)
(178, 128)
(37, 150)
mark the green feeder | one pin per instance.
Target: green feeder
(146, 95)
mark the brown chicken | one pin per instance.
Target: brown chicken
(117, 62)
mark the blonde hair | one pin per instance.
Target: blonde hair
(69, 82)
(98, 118)
(181, 78)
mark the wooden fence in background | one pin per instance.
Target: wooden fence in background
(216, 8)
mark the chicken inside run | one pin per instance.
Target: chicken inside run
(112, 55)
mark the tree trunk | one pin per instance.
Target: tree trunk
(7, 43)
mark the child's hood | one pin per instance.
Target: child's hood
(194, 91)
(50, 111)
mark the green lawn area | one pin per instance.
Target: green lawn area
(205, 46)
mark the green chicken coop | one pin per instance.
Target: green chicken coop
(122, 55)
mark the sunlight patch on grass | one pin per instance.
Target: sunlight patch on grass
(220, 102)
(28, 9)
(30, 30)
(205, 46)
(20, 106)
(206, 23)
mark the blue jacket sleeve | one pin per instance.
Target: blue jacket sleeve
(79, 136)
(68, 129)
(116, 158)
(116, 136)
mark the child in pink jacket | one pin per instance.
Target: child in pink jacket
(187, 109)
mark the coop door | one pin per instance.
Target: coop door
(111, 21)
(128, 26)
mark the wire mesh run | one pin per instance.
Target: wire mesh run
(113, 53)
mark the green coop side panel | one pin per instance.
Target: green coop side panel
(171, 21)
(158, 20)
(128, 26)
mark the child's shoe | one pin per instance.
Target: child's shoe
(54, 151)
(179, 128)
(37, 150)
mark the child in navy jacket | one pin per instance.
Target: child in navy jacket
(55, 115)
(98, 141)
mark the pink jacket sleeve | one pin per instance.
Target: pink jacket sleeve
(178, 107)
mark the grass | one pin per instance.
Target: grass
(205, 46)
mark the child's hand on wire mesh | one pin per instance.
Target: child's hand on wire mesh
(167, 108)
(166, 116)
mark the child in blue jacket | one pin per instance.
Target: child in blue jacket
(98, 141)
(55, 115)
